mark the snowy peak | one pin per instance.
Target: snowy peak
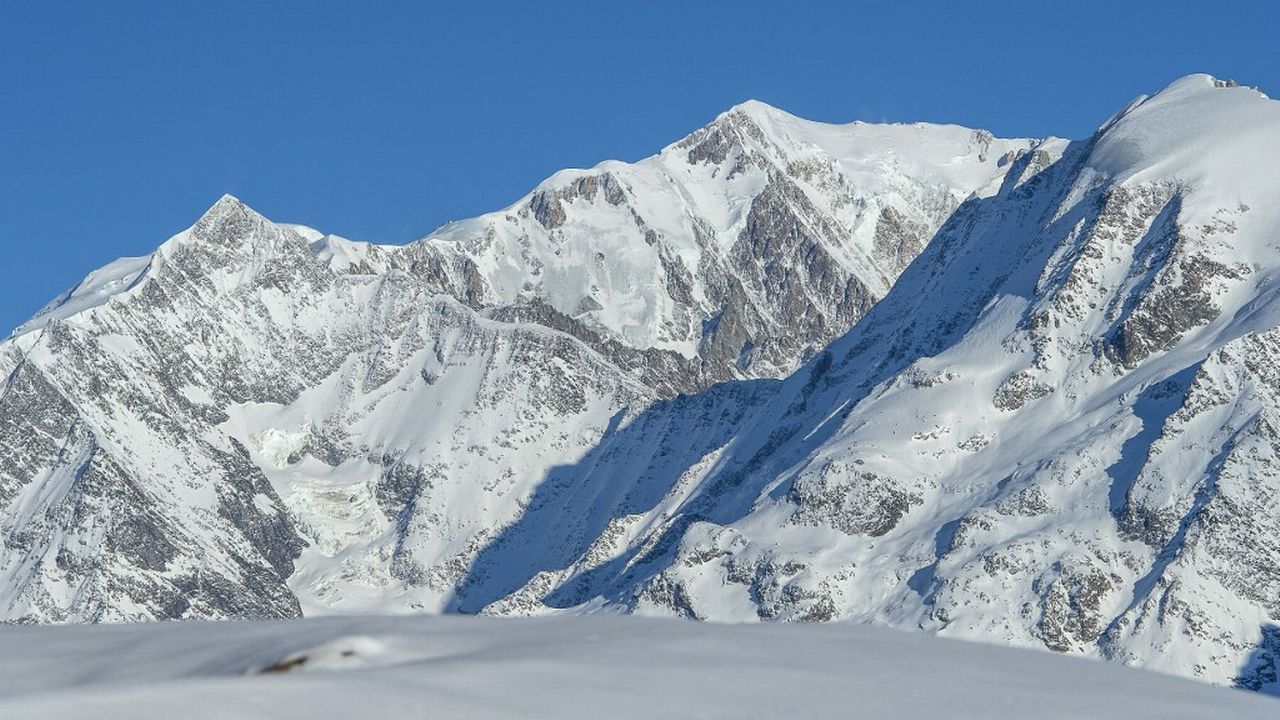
(232, 232)
(1198, 128)
(230, 244)
(749, 132)
(351, 257)
(231, 224)
(228, 203)
(1054, 428)
(754, 108)
(693, 251)
(1200, 82)
(226, 221)
(950, 155)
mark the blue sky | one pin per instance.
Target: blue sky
(121, 122)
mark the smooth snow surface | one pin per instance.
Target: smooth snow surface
(97, 288)
(590, 667)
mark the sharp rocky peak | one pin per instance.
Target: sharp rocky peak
(229, 222)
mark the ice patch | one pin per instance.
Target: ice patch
(279, 446)
(263, 503)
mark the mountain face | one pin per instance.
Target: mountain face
(1022, 391)
(259, 418)
(737, 252)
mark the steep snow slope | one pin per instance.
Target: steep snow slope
(97, 288)
(1059, 429)
(566, 668)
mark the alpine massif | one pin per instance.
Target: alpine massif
(1022, 391)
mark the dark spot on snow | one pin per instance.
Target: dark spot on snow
(284, 666)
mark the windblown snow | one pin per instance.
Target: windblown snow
(1019, 391)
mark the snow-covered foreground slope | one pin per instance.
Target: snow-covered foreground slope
(587, 667)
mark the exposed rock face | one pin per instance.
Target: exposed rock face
(853, 502)
(1018, 389)
(781, 257)
(1054, 425)
(120, 507)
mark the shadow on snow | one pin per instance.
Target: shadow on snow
(764, 429)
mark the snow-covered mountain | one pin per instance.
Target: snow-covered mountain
(1056, 428)
(181, 427)
(747, 245)
(736, 252)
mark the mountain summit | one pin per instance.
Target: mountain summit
(913, 375)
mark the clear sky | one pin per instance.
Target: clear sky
(120, 122)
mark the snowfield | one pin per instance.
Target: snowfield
(567, 667)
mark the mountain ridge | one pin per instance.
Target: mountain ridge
(996, 448)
